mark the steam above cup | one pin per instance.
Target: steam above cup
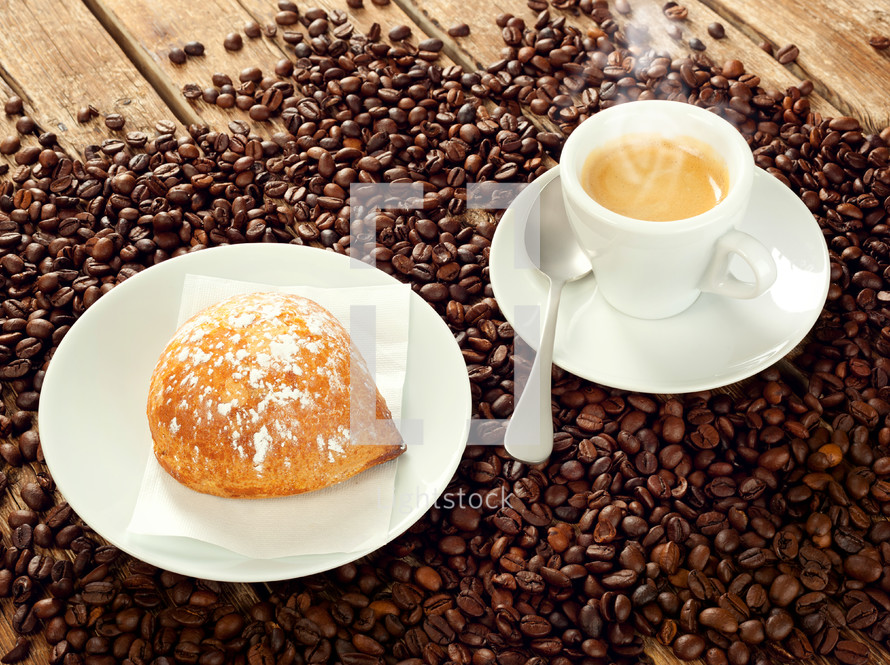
(656, 268)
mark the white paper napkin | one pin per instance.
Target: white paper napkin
(346, 517)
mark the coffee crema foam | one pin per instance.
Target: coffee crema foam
(655, 178)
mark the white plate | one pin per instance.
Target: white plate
(94, 431)
(715, 342)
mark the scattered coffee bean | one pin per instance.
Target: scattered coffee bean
(688, 647)
(399, 32)
(115, 121)
(194, 49)
(9, 145)
(25, 125)
(287, 17)
(879, 42)
(431, 45)
(787, 54)
(84, 114)
(233, 42)
(177, 56)
(675, 12)
(18, 652)
(13, 105)
(716, 30)
(459, 30)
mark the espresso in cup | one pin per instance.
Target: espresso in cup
(655, 178)
(655, 160)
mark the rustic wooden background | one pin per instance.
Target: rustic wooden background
(59, 55)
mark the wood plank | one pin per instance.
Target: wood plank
(55, 71)
(832, 36)
(148, 30)
(484, 43)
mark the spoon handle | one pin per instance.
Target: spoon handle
(529, 435)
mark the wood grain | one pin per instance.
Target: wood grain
(147, 30)
(59, 58)
(834, 52)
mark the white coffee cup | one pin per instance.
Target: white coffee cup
(653, 270)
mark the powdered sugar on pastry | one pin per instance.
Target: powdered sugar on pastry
(264, 378)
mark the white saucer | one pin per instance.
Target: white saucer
(94, 431)
(713, 343)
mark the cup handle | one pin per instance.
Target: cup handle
(717, 278)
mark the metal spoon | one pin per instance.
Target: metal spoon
(529, 435)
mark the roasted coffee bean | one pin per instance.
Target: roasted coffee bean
(25, 125)
(233, 42)
(287, 17)
(675, 11)
(177, 56)
(787, 54)
(716, 30)
(13, 105)
(399, 33)
(194, 48)
(34, 496)
(18, 652)
(851, 652)
(688, 647)
(114, 121)
(862, 615)
(719, 619)
(23, 536)
(9, 145)
(862, 568)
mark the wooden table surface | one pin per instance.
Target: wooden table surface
(59, 55)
